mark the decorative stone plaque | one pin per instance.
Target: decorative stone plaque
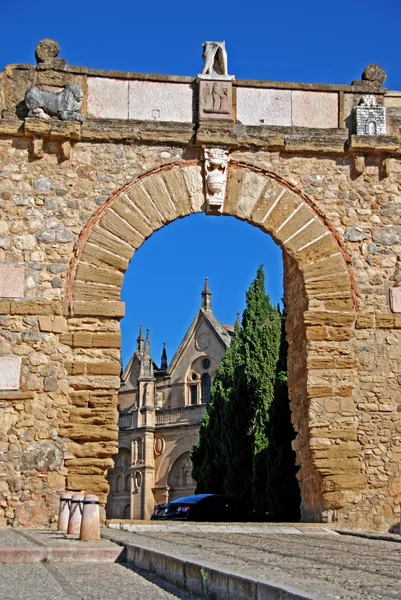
(370, 118)
(215, 98)
(395, 299)
(10, 372)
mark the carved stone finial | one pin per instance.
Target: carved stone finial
(46, 50)
(372, 79)
(374, 74)
(216, 160)
(215, 58)
(46, 54)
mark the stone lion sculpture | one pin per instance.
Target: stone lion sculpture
(215, 57)
(65, 105)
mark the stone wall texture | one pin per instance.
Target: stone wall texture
(71, 219)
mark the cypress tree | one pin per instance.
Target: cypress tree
(282, 489)
(244, 448)
(261, 330)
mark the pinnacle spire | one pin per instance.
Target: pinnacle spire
(207, 296)
(140, 340)
(146, 371)
(163, 364)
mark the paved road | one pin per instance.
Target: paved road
(336, 566)
(82, 582)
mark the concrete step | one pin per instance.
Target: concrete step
(35, 546)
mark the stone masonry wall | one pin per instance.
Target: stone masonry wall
(71, 218)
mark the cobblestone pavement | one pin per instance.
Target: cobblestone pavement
(338, 566)
(83, 582)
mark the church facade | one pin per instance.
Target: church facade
(161, 409)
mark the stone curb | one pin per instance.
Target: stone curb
(206, 581)
(372, 536)
(57, 554)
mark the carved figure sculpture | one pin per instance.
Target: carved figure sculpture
(215, 97)
(215, 58)
(65, 105)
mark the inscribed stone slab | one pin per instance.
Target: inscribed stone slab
(315, 109)
(160, 101)
(10, 371)
(11, 281)
(107, 98)
(263, 107)
(395, 299)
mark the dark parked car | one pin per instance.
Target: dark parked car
(202, 507)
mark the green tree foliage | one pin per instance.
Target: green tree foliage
(239, 443)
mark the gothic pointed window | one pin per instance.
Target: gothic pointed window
(206, 384)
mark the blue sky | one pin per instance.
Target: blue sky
(308, 41)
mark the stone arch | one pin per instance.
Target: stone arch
(319, 288)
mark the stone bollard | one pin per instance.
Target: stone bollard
(64, 514)
(90, 526)
(74, 524)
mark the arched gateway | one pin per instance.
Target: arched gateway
(79, 199)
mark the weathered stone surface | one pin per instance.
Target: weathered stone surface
(10, 372)
(12, 280)
(263, 107)
(107, 98)
(154, 101)
(395, 299)
(41, 456)
(314, 109)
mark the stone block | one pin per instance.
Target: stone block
(314, 109)
(10, 371)
(395, 299)
(12, 280)
(107, 98)
(263, 107)
(160, 101)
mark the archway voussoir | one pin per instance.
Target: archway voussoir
(298, 220)
(175, 184)
(157, 190)
(330, 265)
(269, 197)
(119, 227)
(100, 257)
(235, 180)
(106, 241)
(321, 248)
(143, 203)
(89, 291)
(125, 208)
(332, 284)
(194, 184)
(90, 273)
(283, 210)
(310, 232)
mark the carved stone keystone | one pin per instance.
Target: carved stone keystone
(216, 160)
